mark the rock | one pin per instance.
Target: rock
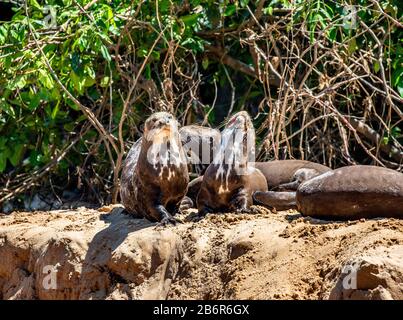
(375, 276)
(106, 254)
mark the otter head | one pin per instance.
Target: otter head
(240, 121)
(160, 127)
(161, 144)
(237, 142)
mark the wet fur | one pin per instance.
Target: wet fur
(279, 173)
(222, 187)
(353, 192)
(154, 190)
(200, 138)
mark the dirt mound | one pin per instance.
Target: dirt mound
(105, 254)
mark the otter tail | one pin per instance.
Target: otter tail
(278, 200)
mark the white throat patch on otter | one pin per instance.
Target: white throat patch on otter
(165, 154)
(234, 155)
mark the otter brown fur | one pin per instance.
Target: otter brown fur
(279, 200)
(289, 174)
(200, 145)
(352, 192)
(230, 179)
(284, 175)
(155, 175)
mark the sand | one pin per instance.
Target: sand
(106, 254)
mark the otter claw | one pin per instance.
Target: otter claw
(168, 221)
(203, 212)
(185, 204)
(243, 210)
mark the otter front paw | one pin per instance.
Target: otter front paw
(240, 204)
(169, 220)
(185, 204)
(204, 211)
(243, 210)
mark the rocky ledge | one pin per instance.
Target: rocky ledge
(105, 254)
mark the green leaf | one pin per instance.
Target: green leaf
(4, 106)
(230, 10)
(35, 158)
(89, 71)
(195, 44)
(45, 79)
(3, 161)
(325, 13)
(332, 34)
(397, 75)
(109, 13)
(268, 10)
(104, 82)
(105, 53)
(88, 82)
(352, 46)
(18, 83)
(312, 33)
(195, 3)
(17, 154)
(164, 6)
(69, 127)
(395, 132)
(156, 55)
(76, 63)
(147, 71)
(244, 3)
(205, 63)
(35, 4)
(376, 66)
(254, 94)
(190, 20)
(83, 43)
(3, 34)
(78, 82)
(142, 52)
(55, 111)
(400, 89)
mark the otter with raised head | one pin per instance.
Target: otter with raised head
(155, 176)
(230, 179)
(281, 175)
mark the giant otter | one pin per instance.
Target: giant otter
(155, 175)
(231, 178)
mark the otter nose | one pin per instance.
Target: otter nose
(165, 120)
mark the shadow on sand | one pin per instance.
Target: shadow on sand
(100, 250)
